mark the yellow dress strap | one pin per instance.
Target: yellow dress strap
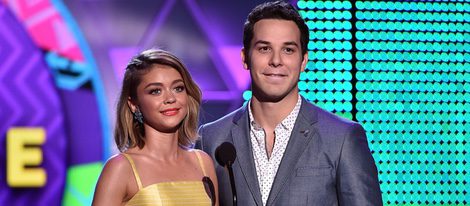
(136, 175)
(200, 161)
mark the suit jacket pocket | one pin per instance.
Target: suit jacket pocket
(313, 171)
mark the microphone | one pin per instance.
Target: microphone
(225, 155)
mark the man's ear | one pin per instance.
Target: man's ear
(243, 57)
(131, 105)
(304, 62)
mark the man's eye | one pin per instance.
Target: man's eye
(264, 49)
(289, 50)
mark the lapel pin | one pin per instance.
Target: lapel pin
(305, 132)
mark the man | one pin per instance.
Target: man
(289, 152)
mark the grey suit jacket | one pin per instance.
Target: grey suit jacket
(327, 161)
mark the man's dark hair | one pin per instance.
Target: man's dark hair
(274, 10)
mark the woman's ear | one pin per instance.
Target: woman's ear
(131, 105)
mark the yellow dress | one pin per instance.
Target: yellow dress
(170, 193)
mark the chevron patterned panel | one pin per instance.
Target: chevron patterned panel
(28, 98)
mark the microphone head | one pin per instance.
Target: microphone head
(225, 154)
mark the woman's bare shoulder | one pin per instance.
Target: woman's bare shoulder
(206, 158)
(117, 161)
(201, 153)
(112, 184)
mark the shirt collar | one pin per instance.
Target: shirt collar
(288, 125)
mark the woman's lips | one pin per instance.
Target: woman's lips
(170, 112)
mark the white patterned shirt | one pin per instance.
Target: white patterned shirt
(266, 168)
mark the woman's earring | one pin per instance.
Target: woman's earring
(138, 116)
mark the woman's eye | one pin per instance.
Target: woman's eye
(179, 88)
(155, 91)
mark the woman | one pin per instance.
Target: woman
(156, 124)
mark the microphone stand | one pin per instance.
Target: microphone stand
(225, 154)
(232, 183)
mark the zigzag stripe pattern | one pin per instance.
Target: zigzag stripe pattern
(46, 26)
(29, 99)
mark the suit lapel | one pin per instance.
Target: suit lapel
(241, 140)
(301, 135)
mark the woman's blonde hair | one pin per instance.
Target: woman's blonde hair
(129, 132)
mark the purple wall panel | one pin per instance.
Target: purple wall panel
(28, 99)
(83, 126)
